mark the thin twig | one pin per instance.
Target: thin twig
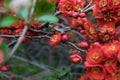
(9, 36)
(38, 37)
(32, 11)
(40, 31)
(88, 5)
(57, 13)
(12, 43)
(88, 9)
(19, 42)
(64, 20)
(76, 47)
(5, 75)
(42, 66)
(30, 37)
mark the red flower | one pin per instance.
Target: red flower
(95, 55)
(74, 6)
(110, 65)
(74, 23)
(66, 5)
(107, 12)
(95, 72)
(110, 49)
(55, 39)
(78, 7)
(115, 76)
(75, 58)
(90, 30)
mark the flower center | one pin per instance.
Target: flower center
(108, 17)
(118, 75)
(118, 13)
(92, 31)
(115, 2)
(103, 3)
(95, 70)
(55, 37)
(75, 59)
(95, 56)
(68, 7)
(107, 63)
(112, 47)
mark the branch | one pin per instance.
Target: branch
(19, 42)
(64, 20)
(63, 28)
(40, 31)
(79, 34)
(32, 11)
(9, 36)
(88, 9)
(88, 5)
(12, 43)
(38, 37)
(5, 75)
(42, 66)
(30, 37)
(76, 47)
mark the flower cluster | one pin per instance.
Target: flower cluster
(71, 7)
(102, 62)
(97, 21)
(106, 13)
(17, 29)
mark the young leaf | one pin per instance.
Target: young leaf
(44, 7)
(48, 18)
(63, 73)
(67, 77)
(8, 20)
(23, 13)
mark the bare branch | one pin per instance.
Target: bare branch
(32, 11)
(76, 47)
(40, 31)
(88, 9)
(19, 42)
(42, 66)
(88, 5)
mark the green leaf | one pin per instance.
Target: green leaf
(63, 73)
(5, 50)
(23, 13)
(8, 20)
(48, 18)
(44, 7)
(66, 77)
(7, 2)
